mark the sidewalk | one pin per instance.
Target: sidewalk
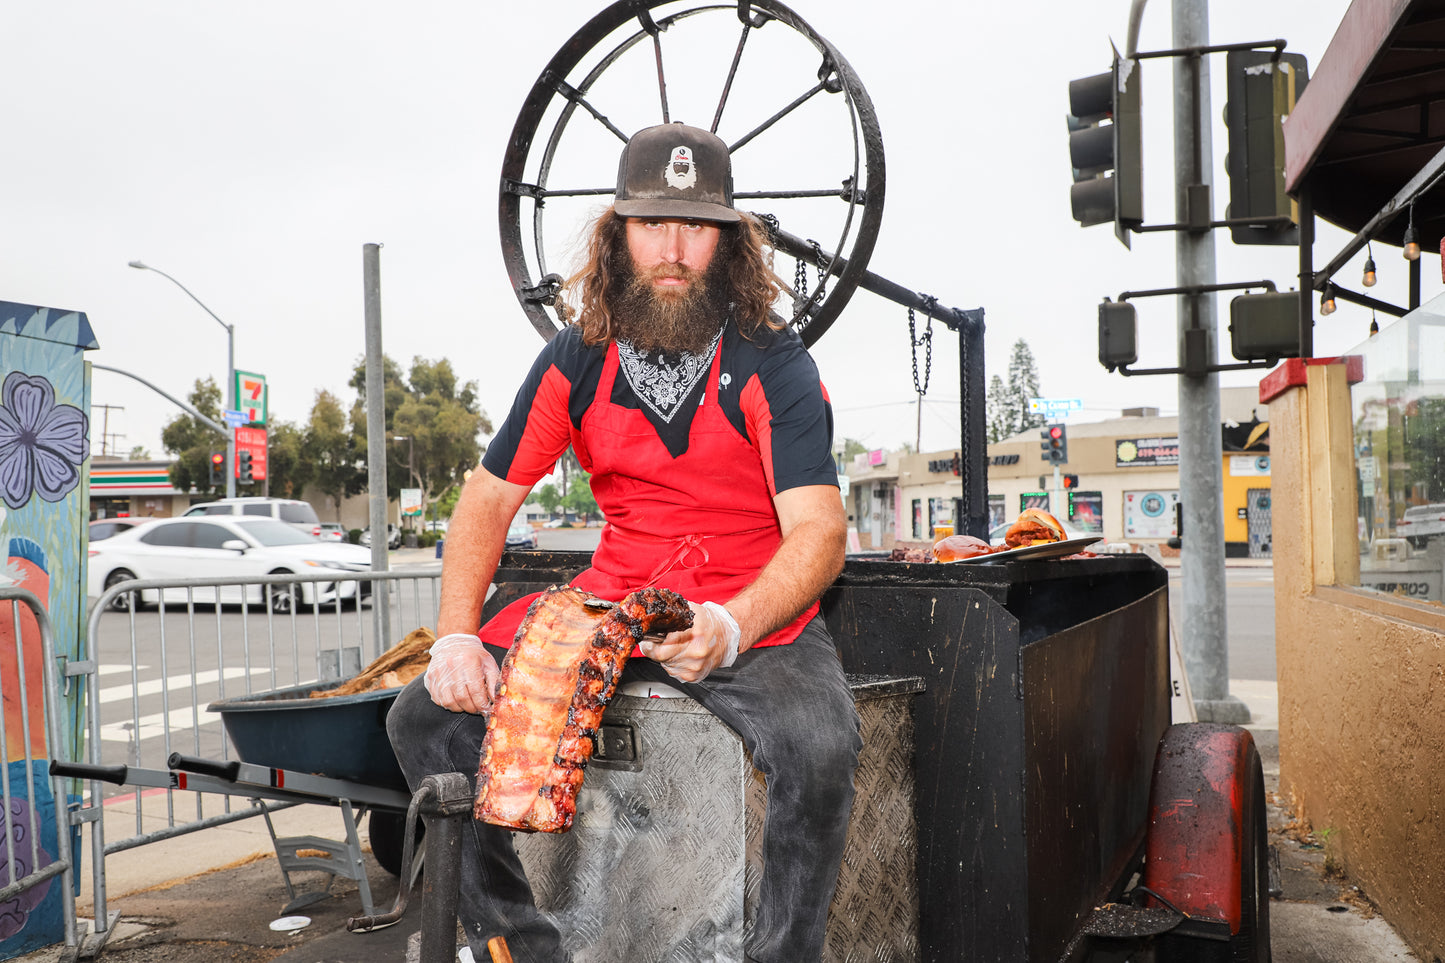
(214, 895)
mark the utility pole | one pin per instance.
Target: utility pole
(105, 425)
(1202, 624)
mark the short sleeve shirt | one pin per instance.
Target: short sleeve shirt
(768, 389)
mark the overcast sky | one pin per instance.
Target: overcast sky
(251, 150)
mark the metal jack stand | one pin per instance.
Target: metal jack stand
(443, 800)
(334, 857)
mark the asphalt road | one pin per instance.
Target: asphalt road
(1249, 620)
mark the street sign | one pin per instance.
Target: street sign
(251, 396)
(1055, 406)
(252, 440)
(234, 419)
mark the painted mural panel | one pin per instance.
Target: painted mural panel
(44, 455)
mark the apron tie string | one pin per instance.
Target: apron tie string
(684, 547)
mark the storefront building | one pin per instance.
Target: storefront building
(1121, 481)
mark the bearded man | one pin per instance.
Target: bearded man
(708, 436)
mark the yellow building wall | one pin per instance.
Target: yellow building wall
(1236, 492)
(1361, 734)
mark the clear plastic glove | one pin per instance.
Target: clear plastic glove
(462, 675)
(690, 655)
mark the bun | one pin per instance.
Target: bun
(1034, 526)
(956, 547)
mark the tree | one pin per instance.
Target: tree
(337, 464)
(440, 417)
(192, 441)
(1023, 384)
(548, 497)
(1000, 416)
(288, 470)
(139, 453)
(579, 500)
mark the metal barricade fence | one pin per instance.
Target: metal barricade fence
(152, 668)
(29, 682)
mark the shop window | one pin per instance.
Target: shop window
(1399, 447)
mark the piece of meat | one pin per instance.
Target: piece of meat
(956, 547)
(557, 678)
(1034, 525)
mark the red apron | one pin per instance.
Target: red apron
(702, 524)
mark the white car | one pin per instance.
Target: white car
(1422, 523)
(234, 547)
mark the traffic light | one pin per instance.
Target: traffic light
(218, 468)
(1107, 158)
(243, 467)
(1118, 334)
(1071, 481)
(1261, 93)
(1265, 327)
(1055, 445)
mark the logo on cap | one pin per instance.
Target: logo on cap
(680, 172)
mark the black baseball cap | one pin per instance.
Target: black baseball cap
(673, 170)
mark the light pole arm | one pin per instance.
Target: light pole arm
(230, 372)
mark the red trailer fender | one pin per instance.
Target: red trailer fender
(1205, 822)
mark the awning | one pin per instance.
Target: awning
(1372, 116)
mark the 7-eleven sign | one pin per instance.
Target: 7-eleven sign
(251, 396)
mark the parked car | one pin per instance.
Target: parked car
(555, 523)
(393, 537)
(521, 535)
(332, 532)
(103, 528)
(298, 514)
(221, 546)
(1422, 523)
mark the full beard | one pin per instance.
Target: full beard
(671, 320)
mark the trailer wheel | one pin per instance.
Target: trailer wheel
(388, 834)
(1207, 851)
(561, 160)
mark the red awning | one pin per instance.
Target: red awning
(1372, 115)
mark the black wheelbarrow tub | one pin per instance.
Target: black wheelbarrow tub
(343, 737)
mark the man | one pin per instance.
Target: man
(709, 440)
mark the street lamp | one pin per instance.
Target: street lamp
(230, 373)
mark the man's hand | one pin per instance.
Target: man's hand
(462, 675)
(691, 654)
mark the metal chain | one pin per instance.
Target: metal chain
(800, 281)
(823, 265)
(927, 342)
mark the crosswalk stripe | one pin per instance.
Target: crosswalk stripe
(176, 683)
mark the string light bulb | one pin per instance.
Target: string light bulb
(1412, 238)
(1369, 279)
(1374, 324)
(1327, 301)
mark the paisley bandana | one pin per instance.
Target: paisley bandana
(663, 382)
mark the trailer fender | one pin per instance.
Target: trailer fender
(1205, 836)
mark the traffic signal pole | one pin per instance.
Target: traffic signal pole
(1202, 625)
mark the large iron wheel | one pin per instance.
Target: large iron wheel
(821, 141)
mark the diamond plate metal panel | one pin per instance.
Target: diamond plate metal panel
(664, 860)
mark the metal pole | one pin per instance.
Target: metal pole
(231, 428)
(1201, 456)
(376, 438)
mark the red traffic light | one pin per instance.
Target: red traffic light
(218, 458)
(1056, 431)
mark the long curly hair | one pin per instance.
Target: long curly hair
(752, 285)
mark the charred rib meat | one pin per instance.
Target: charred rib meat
(557, 678)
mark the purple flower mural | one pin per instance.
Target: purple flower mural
(42, 444)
